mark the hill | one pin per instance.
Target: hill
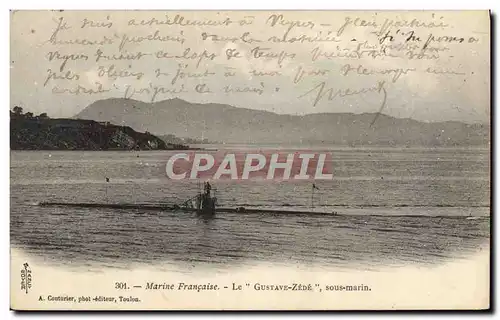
(71, 134)
(220, 122)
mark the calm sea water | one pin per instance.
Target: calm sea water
(395, 206)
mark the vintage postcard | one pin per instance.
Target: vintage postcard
(250, 160)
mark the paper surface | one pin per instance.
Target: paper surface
(250, 160)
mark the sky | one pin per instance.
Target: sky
(454, 87)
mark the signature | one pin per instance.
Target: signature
(323, 91)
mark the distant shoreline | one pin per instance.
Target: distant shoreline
(222, 147)
(220, 123)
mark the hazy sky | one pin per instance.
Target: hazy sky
(461, 93)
